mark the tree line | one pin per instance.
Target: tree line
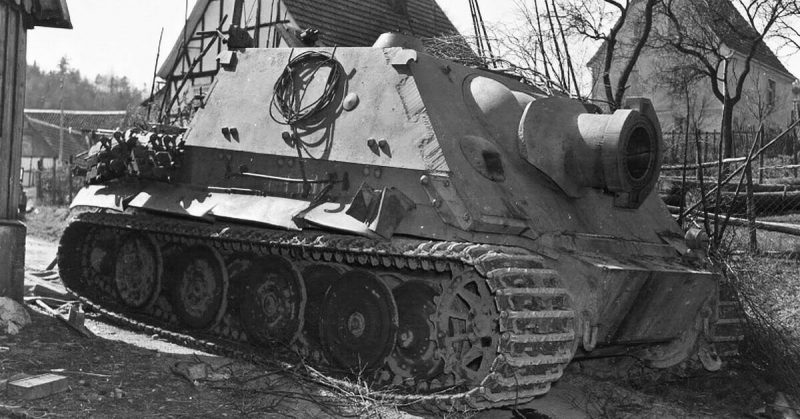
(109, 92)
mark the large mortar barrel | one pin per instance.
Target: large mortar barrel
(619, 152)
(578, 150)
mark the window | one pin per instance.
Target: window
(771, 92)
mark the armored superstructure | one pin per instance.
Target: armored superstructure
(437, 228)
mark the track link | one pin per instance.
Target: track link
(728, 330)
(532, 322)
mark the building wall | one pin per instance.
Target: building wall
(257, 17)
(257, 13)
(766, 96)
(648, 80)
(13, 42)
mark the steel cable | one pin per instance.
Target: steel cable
(288, 97)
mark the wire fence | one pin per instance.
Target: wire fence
(680, 146)
(749, 203)
(749, 206)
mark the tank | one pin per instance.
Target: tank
(440, 230)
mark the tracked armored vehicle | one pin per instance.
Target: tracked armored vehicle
(441, 230)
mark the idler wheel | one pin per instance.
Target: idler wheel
(414, 354)
(273, 301)
(86, 259)
(199, 293)
(137, 273)
(468, 331)
(99, 251)
(73, 255)
(317, 280)
(358, 321)
(95, 263)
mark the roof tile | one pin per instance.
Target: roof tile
(80, 120)
(40, 139)
(348, 24)
(736, 32)
(345, 23)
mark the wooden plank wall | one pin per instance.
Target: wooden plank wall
(13, 43)
(12, 96)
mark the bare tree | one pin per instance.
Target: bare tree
(788, 30)
(536, 45)
(679, 79)
(604, 20)
(699, 30)
(761, 101)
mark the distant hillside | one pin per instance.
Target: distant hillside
(105, 93)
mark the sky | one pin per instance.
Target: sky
(121, 36)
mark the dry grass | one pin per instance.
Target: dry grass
(738, 240)
(767, 285)
(768, 290)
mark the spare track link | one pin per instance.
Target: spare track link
(728, 330)
(535, 323)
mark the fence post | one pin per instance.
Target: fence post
(751, 209)
(683, 174)
(673, 146)
(761, 156)
(39, 190)
(53, 184)
(698, 155)
(794, 152)
(69, 183)
(701, 181)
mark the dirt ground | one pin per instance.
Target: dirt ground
(125, 374)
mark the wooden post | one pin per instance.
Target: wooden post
(683, 174)
(702, 183)
(39, 193)
(796, 136)
(698, 154)
(794, 152)
(54, 183)
(761, 156)
(13, 44)
(751, 210)
(69, 181)
(61, 120)
(717, 238)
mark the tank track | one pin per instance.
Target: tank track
(728, 329)
(533, 333)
